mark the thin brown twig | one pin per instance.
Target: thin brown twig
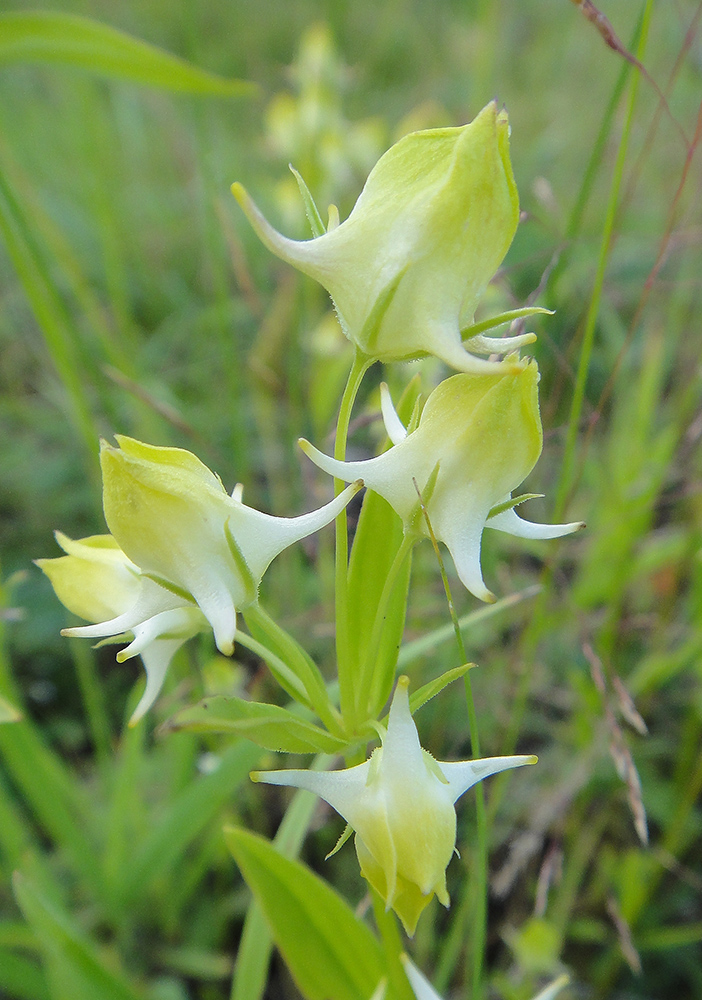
(611, 39)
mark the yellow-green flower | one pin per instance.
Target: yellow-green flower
(430, 228)
(478, 437)
(400, 803)
(174, 519)
(96, 581)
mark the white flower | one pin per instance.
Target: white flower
(478, 437)
(400, 803)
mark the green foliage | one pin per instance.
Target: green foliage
(331, 953)
(49, 37)
(266, 725)
(135, 301)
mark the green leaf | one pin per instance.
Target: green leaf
(8, 712)
(20, 978)
(268, 726)
(377, 542)
(51, 37)
(255, 945)
(331, 954)
(57, 802)
(74, 968)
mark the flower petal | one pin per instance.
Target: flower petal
(463, 774)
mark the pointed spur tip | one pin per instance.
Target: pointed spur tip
(239, 192)
(256, 776)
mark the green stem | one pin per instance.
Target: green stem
(299, 674)
(361, 363)
(368, 682)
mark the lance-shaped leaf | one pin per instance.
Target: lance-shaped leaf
(330, 952)
(269, 726)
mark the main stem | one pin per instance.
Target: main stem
(361, 363)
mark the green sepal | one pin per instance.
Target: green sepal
(331, 954)
(428, 691)
(348, 830)
(240, 562)
(268, 726)
(311, 211)
(513, 502)
(506, 317)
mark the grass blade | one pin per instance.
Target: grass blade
(51, 37)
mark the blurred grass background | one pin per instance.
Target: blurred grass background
(134, 299)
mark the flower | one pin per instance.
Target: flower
(96, 581)
(430, 228)
(400, 802)
(423, 990)
(173, 518)
(477, 439)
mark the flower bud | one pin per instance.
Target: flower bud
(173, 518)
(400, 803)
(430, 228)
(477, 439)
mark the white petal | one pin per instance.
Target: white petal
(463, 774)
(498, 345)
(341, 789)
(423, 990)
(402, 757)
(510, 522)
(446, 345)
(550, 991)
(185, 622)
(396, 430)
(152, 601)
(262, 536)
(309, 256)
(157, 659)
(462, 539)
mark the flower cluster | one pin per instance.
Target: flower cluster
(183, 556)
(405, 272)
